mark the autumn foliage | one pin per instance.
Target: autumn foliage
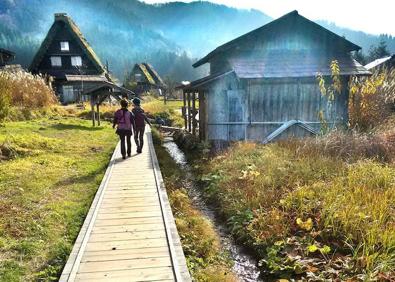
(371, 99)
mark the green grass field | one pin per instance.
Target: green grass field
(49, 173)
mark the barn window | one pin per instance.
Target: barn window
(64, 46)
(76, 61)
(56, 61)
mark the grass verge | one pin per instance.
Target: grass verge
(205, 259)
(49, 173)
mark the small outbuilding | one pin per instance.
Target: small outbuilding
(145, 78)
(263, 85)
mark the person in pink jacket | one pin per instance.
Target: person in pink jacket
(124, 121)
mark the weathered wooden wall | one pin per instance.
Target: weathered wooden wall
(245, 109)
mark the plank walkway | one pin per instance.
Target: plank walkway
(129, 233)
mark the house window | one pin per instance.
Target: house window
(64, 46)
(68, 94)
(76, 61)
(56, 61)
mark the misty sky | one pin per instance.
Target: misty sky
(374, 17)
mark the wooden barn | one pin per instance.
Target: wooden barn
(263, 85)
(386, 62)
(146, 78)
(66, 56)
(6, 56)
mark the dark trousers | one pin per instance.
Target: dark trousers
(139, 137)
(125, 138)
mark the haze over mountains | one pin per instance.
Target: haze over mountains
(170, 36)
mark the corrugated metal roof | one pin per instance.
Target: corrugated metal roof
(260, 34)
(378, 62)
(293, 64)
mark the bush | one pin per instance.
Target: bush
(371, 99)
(24, 91)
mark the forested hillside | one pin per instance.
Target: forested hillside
(170, 36)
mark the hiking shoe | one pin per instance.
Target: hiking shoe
(124, 157)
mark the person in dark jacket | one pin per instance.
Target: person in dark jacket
(124, 121)
(139, 124)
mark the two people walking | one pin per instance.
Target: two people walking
(128, 122)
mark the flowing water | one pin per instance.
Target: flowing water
(245, 266)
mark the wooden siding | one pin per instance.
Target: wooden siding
(237, 111)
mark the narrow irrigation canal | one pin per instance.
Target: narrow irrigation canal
(245, 266)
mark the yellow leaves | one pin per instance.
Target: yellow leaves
(335, 87)
(305, 225)
(249, 173)
(370, 98)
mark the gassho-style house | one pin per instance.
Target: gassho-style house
(146, 79)
(263, 85)
(67, 57)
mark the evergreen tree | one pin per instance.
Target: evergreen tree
(360, 57)
(379, 51)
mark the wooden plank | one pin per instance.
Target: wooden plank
(124, 264)
(126, 208)
(145, 274)
(128, 215)
(125, 245)
(131, 192)
(133, 203)
(121, 236)
(121, 254)
(129, 221)
(127, 228)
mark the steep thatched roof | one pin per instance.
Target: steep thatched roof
(62, 20)
(142, 67)
(154, 74)
(150, 74)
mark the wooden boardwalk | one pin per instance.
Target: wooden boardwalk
(129, 233)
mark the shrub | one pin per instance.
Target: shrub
(371, 99)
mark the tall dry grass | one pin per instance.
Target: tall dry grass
(23, 93)
(320, 207)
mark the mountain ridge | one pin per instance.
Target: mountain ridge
(128, 31)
